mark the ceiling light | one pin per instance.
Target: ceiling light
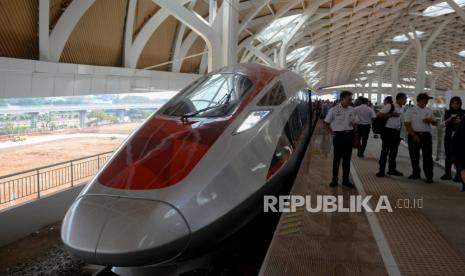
(406, 37)
(461, 53)
(441, 8)
(391, 52)
(370, 71)
(442, 64)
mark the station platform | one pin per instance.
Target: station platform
(428, 239)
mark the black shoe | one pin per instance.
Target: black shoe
(457, 179)
(395, 172)
(463, 188)
(429, 180)
(348, 184)
(414, 176)
(380, 174)
(446, 177)
(333, 184)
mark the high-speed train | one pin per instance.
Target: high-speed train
(196, 171)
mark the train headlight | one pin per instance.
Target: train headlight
(252, 120)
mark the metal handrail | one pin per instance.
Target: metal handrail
(53, 165)
(32, 184)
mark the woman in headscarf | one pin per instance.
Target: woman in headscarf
(452, 119)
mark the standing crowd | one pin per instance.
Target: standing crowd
(350, 127)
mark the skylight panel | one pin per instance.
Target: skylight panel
(441, 8)
(405, 37)
(391, 51)
(442, 64)
(308, 65)
(408, 79)
(298, 53)
(376, 63)
(279, 28)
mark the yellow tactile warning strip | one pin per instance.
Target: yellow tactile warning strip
(291, 222)
(321, 243)
(417, 246)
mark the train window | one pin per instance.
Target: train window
(275, 96)
(213, 96)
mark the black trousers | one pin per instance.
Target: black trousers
(364, 132)
(342, 142)
(390, 145)
(426, 147)
(448, 152)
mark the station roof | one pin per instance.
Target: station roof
(343, 41)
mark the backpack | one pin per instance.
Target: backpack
(379, 123)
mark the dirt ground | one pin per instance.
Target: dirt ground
(37, 155)
(110, 129)
(27, 157)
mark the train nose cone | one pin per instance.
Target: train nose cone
(116, 231)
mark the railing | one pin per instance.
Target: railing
(32, 184)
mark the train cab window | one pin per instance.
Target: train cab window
(213, 96)
(275, 96)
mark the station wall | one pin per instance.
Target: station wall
(23, 78)
(19, 221)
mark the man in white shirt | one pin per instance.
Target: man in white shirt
(339, 122)
(390, 135)
(364, 116)
(418, 121)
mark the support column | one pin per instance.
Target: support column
(433, 86)
(308, 12)
(456, 81)
(82, 118)
(121, 113)
(379, 90)
(230, 31)
(421, 74)
(198, 25)
(421, 54)
(34, 119)
(44, 29)
(370, 89)
(395, 71)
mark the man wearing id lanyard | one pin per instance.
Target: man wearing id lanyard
(418, 121)
(339, 122)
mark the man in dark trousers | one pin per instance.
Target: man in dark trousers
(340, 123)
(364, 116)
(390, 135)
(418, 121)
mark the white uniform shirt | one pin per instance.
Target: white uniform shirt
(340, 118)
(392, 122)
(364, 114)
(415, 116)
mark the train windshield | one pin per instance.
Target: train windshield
(215, 95)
